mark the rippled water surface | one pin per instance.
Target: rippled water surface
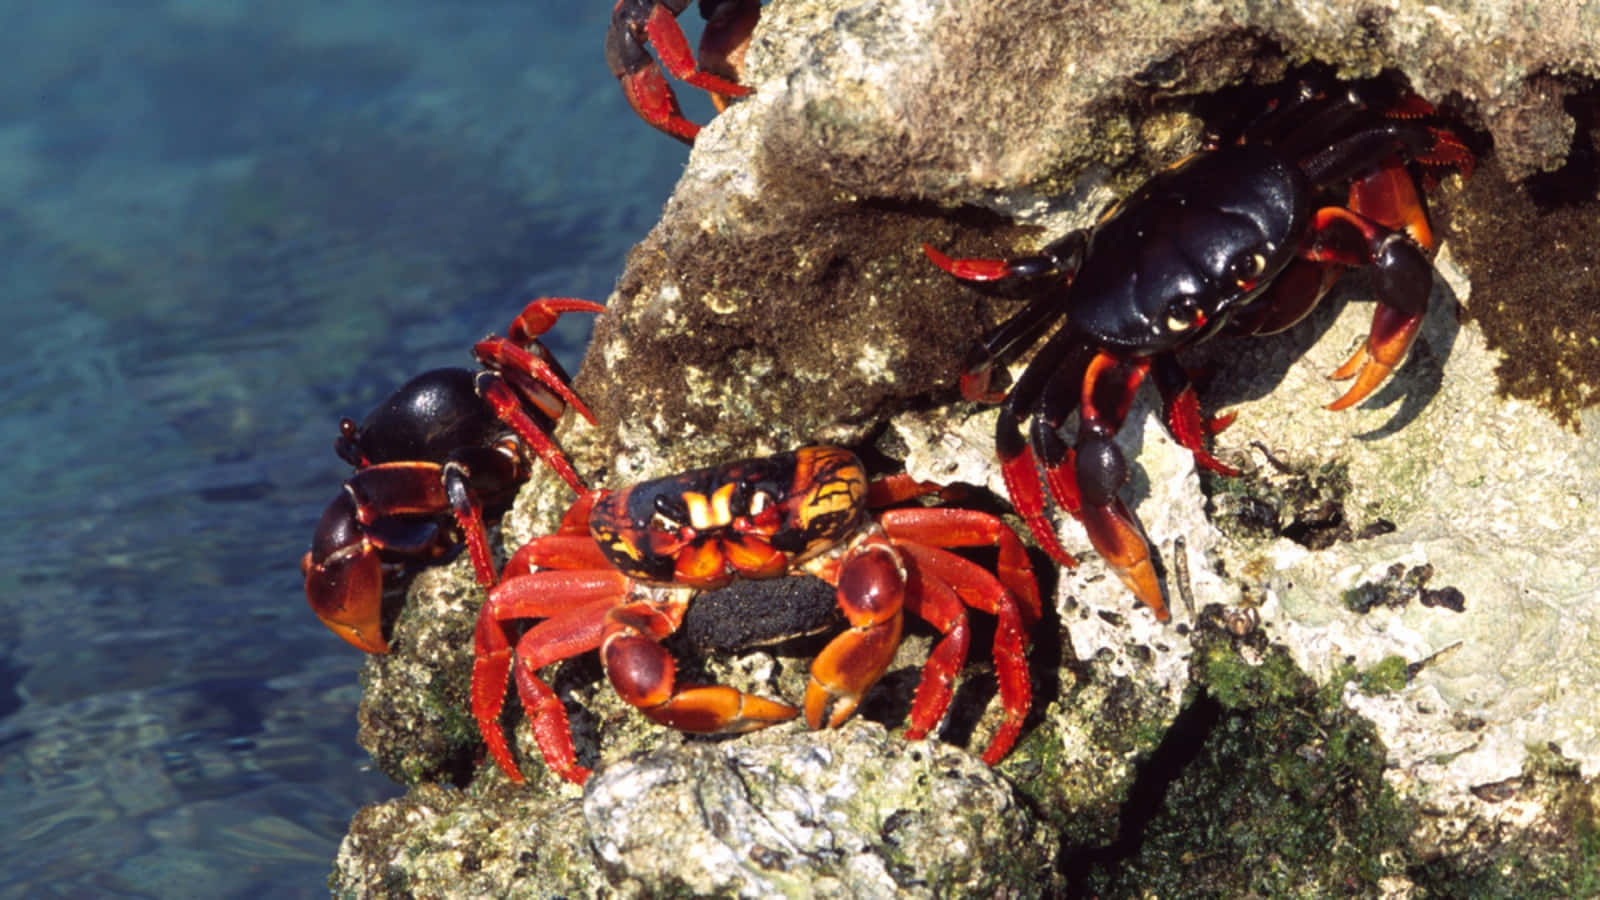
(224, 225)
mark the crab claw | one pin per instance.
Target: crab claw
(872, 594)
(344, 577)
(1385, 348)
(346, 592)
(1116, 535)
(1404, 270)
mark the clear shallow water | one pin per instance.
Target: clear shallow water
(224, 225)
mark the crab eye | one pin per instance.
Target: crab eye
(760, 502)
(1246, 269)
(668, 516)
(1183, 316)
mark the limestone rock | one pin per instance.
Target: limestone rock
(1407, 588)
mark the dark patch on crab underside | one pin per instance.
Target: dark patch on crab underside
(759, 612)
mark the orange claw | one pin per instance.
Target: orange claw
(871, 590)
(1121, 542)
(645, 675)
(346, 592)
(717, 709)
(1385, 348)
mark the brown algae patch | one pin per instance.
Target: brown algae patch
(1531, 251)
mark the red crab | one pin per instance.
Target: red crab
(625, 566)
(450, 441)
(638, 23)
(1244, 236)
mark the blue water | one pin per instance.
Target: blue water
(223, 225)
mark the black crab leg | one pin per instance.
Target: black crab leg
(1002, 344)
(1101, 470)
(1019, 465)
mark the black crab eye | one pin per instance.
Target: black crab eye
(666, 519)
(1183, 315)
(1247, 267)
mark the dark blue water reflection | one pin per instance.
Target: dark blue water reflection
(223, 225)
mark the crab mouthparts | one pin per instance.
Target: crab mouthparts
(706, 513)
(716, 560)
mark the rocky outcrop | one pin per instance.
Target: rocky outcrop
(1389, 649)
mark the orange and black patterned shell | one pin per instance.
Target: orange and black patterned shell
(750, 518)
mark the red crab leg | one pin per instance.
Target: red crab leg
(469, 518)
(1108, 388)
(575, 605)
(568, 635)
(1182, 407)
(644, 674)
(1448, 150)
(521, 353)
(497, 352)
(892, 489)
(1061, 480)
(970, 268)
(871, 593)
(976, 587)
(663, 31)
(977, 370)
(1045, 395)
(509, 410)
(541, 315)
(555, 551)
(1058, 258)
(1020, 472)
(635, 23)
(944, 527)
(937, 604)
